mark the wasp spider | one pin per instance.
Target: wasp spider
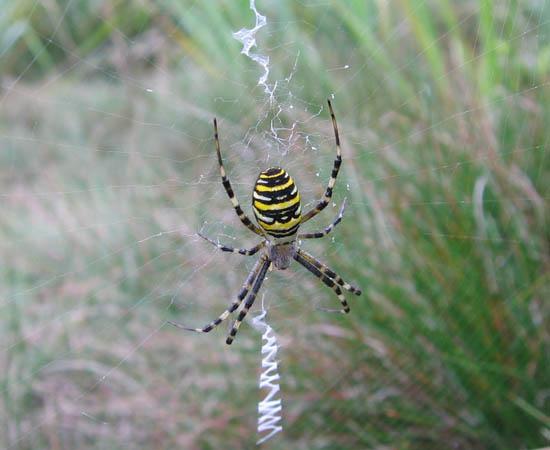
(276, 205)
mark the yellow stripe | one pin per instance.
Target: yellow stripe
(261, 188)
(277, 226)
(277, 206)
(264, 176)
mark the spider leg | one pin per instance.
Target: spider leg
(249, 301)
(326, 280)
(337, 162)
(325, 270)
(242, 294)
(327, 230)
(227, 185)
(242, 251)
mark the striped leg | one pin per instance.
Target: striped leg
(249, 301)
(246, 287)
(242, 251)
(227, 185)
(337, 162)
(326, 280)
(327, 230)
(328, 272)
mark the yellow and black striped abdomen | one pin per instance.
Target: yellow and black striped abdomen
(276, 203)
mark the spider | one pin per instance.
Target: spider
(276, 206)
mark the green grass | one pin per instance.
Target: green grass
(444, 117)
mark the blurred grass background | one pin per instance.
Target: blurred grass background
(107, 171)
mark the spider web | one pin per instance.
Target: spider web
(108, 171)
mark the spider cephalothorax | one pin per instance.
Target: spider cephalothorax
(281, 254)
(277, 208)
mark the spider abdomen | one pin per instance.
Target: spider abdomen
(276, 203)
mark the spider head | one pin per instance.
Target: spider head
(276, 203)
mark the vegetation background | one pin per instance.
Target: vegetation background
(107, 171)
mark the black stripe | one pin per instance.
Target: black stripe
(322, 204)
(277, 215)
(336, 168)
(272, 182)
(227, 187)
(272, 171)
(272, 195)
